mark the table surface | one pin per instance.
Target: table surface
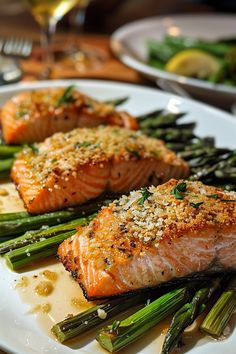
(105, 67)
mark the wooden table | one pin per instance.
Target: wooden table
(108, 68)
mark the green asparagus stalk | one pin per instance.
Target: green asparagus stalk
(13, 216)
(161, 51)
(26, 255)
(18, 226)
(6, 164)
(175, 146)
(93, 317)
(172, 134)
(122, 333)
(185, 316)
(220, 314)
(215, 48)
(9, 150)
(156, 63)
(35, 236)
(159, 120)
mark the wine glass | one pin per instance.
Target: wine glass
(77, 55)
(47, 13)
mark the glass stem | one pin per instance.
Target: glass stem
(47, 32)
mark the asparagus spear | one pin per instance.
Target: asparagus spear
(122, 333)
(186, 315)
(161, 51)
(172, 134)
(93, 317)
(156, 63)
(216, 48)
(26, 255)
(13, 216)
(161, 119)
(220, 314)
(9, 150)
(190, 154)
(175, 146)
(35, 236)
(6, 164)
(18, 226)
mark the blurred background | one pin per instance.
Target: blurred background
(104, 16)
(71, 38)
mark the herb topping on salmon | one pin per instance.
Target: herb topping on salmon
(71, 168)
(152, 236)
(32, 116)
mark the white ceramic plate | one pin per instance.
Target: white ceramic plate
(129, 44)
(21, 333)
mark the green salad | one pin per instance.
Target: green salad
(196, 58)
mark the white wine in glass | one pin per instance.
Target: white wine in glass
(47, 13)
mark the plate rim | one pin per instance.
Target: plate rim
(121, 52)
(99, 83)
(93, 83)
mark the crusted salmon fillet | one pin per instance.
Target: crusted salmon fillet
(152, 236)
(35, 115)
(72, 168)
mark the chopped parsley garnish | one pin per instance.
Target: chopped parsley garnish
(83, 144)
(21, 113)
(145, 194)
(67, 96)
(213, 196)
(196, 205)
(134, 153)
(34, 148)
(178, 190)
(155, 153)
(115, 131)
(115, 325)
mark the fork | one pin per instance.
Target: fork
(16, 46)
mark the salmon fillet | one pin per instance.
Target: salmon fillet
(72, 168)
(34, 115)
(152, 236)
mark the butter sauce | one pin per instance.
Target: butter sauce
(66, 298)
(51, 294)
(10, 201)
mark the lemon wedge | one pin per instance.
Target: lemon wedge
(193, 63)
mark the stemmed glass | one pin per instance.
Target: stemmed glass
(47, 13)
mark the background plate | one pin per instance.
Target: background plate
(21, 333)
(129, 44)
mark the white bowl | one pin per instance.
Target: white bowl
(129, 45)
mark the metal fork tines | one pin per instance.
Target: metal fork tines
(15, 46)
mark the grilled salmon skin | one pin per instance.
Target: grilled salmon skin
(34, 115)
(74, 167)
(154, 235)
